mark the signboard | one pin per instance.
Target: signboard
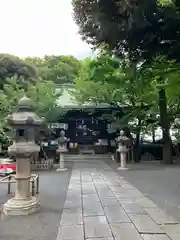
(58, 125)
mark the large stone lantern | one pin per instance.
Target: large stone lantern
(24, 123)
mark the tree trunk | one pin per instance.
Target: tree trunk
(165, 125)
(153, 134)
(137, 141)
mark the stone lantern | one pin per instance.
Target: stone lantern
(123, 143)
(62, 149)
(24, 123)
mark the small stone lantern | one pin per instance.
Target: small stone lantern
(24, 123)
(123, 143)
(62, 149)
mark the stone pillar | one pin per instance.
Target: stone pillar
(24, 123)
(23, 176)
(61, 163)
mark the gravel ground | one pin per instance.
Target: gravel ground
(44, 224)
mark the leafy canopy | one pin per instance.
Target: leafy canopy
(137, 29)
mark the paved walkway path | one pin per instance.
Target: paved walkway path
(101, 205)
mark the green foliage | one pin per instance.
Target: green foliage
(11, 66)
(44, 97)
(165, 74)
(107, 79)
(35, 77)
(137, 29)
(165, 2)
(59, 69)
(42, 93)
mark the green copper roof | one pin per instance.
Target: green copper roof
(66, 100)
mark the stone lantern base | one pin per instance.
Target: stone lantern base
(21, 207)
(120, 168)
(123, 160)
(61, 170)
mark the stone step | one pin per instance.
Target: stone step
(83, 156)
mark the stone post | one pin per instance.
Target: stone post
(24, 122)
(62, 149)
(123, 150)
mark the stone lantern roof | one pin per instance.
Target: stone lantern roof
(24, 114)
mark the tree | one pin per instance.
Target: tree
(11, 66)
(107, 79)
(59, 69)
(141, 31)
(42, 93)
(44, 96)
(165, 76)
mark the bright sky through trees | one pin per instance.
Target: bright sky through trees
(39, 27)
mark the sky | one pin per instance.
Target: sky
(38, 28)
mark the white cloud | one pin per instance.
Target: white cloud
(39, 27)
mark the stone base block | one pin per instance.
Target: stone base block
(61, 170)
(15, 207)
(120, 168)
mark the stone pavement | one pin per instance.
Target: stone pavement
(101, 205)
(160, 183)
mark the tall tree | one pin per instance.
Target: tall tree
(11, 66)
(165, 76)
(59, 69)
(138, 30)
(107, 79)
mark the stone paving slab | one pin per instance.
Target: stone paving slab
(159, 216)
(100, 238)
(73, 203)
(71, 233)
(109, 201)
(73, 194)
(125, 199)
(155, 237)
(97, 227)
(145, 224)
(105, 193)
(146, 203)
(90, 197)
(125, 231)
(132, 208)
(88, 189)
(93, 209)
(116, 214)
(173, 231)
(71, 217)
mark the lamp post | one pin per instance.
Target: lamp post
(24, 123)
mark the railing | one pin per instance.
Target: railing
(42, 164)
(10, 179)
(38, 163)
